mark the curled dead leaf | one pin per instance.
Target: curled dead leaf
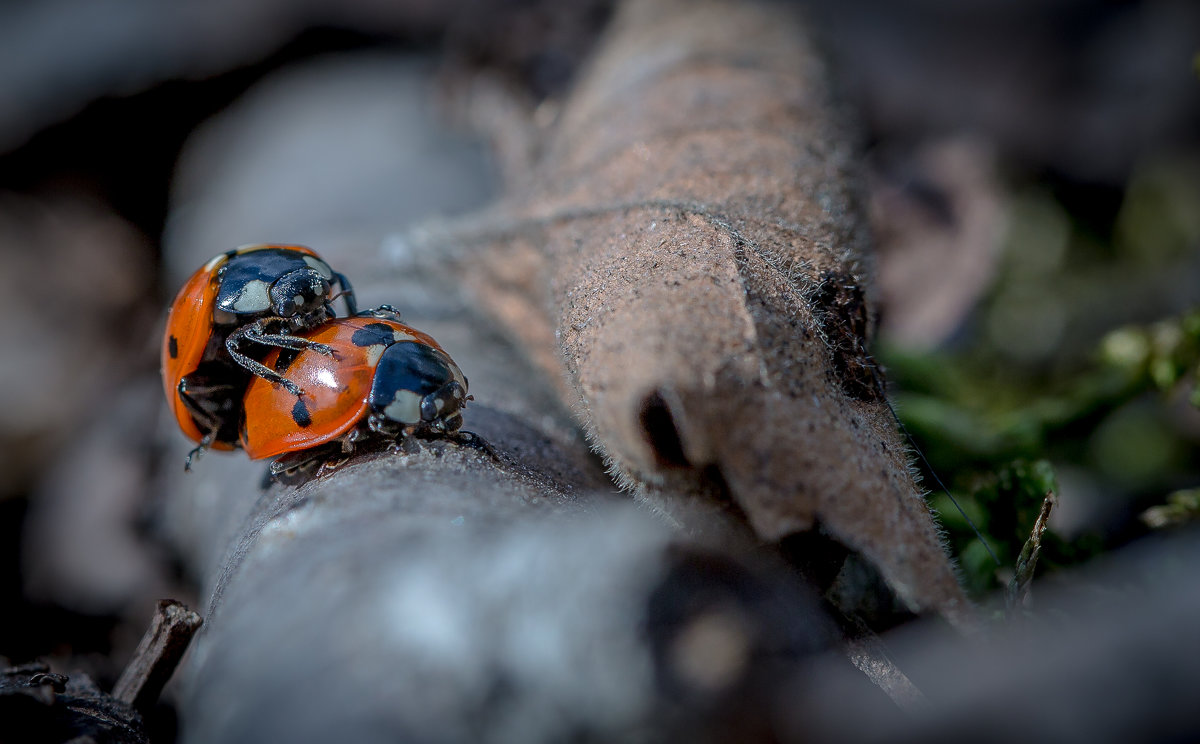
(694, 247)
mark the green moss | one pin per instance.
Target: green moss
(1182, 507)
(1056, 364)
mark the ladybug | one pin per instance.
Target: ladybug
(384, 380)
(258, 296)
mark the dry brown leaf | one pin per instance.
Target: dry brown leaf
(937, 218)
(693, 245)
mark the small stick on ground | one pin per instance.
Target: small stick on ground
(157, 655)
(1018, 588)
(871, 658)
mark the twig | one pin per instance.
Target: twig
(157, 655)
(870, 656)
(1018, 588)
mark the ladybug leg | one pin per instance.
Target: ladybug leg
(291, 470)
(198, 399)
(474, 441)
(281, 340)
(197, 452)
(255, 333)
(384, 312)
(332, 463)
(263, 371)
(381, 426)
(205, 418)
(296, 467)
(291, 473)
(353, 438)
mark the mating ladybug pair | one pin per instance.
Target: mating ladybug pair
(254, 357)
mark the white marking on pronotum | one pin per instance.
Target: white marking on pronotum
(454, 370)
(254, 297)
(321, 267)
(405, 407)
(399, 335)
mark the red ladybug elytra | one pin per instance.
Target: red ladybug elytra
(384, 379)
(257, 295)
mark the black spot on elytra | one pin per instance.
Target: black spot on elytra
(285, 359)
(841, 309)
(372, 334)
(173, 347)
(300, 414)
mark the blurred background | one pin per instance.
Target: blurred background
(1033, 181)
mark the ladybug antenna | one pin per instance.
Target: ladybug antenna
(929, 468)
(348, 294)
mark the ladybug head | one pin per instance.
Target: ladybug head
(300, 294)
